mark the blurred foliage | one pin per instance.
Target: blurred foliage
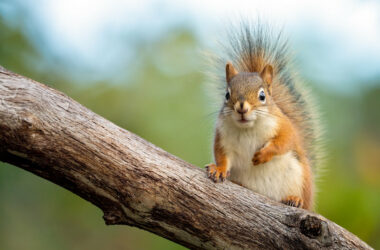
(161, 97)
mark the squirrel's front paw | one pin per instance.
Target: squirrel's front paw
(261, 157)
(216, 173)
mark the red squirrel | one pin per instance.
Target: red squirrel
(267, 132)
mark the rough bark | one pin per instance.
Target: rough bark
(138, 184)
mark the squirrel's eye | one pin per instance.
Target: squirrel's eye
(227, 95)
(262, 96)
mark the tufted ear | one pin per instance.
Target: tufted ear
(230, 72)
(267, 74)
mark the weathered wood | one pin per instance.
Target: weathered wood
(138, 184)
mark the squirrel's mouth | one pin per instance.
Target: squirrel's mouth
(243, 120)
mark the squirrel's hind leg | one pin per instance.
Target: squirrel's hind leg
(293, 201)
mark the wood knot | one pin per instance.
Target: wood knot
(315, 228)
(311, 226)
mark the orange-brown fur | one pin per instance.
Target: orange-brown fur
(307, 194)
(218, 171)
(284, 141)
(256, 52)
(287, 139)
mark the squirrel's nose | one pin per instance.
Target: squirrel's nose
(242, 111)
(241, 107)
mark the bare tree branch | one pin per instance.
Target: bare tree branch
(138, 184)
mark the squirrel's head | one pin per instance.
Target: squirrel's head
(248, 95)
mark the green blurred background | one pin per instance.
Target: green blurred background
(147, 77)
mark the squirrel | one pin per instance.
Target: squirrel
(267, 133)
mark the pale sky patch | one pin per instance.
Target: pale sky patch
(347, 32)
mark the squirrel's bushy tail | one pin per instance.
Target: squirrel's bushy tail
(252, 46)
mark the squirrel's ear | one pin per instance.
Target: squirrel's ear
(267, 74)
(230, 72)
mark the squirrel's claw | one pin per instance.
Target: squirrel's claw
(216, 173)
(293, 201)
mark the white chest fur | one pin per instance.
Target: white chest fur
(278, 178)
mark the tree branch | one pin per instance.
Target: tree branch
(138, 184)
